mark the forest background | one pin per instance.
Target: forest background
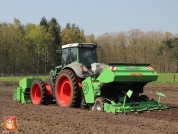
(25, 48)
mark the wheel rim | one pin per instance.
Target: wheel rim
(36, 94)
(48, 91)
(98, 106)
(64, 91)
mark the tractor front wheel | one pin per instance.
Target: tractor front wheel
(37, 92)
(66, 89)
(99, 104)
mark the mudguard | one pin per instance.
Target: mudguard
(77, 68)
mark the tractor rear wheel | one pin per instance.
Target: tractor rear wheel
(37, 92)
(66, 89)
(99, 104)
(49, 92)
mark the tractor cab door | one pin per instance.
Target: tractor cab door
(69, 55)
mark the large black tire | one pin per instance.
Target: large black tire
(66, 89)
(49, 91)
(99, 104)
(37, 92)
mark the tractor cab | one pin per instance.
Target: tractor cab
(84, 53)
(75, 54)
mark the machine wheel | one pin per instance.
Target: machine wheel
(37, 92)
(49, 92)
(143, 97)
(66, 89)
(99, 104)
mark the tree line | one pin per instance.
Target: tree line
(158, 48)
(29, 49)
(23, 47)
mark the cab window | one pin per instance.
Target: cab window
(69, 55)
(87, 56)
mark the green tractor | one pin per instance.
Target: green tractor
(80, 81)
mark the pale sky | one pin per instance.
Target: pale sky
(96, 16)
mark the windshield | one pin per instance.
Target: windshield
(87, 55)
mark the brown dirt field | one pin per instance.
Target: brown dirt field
(54, 119)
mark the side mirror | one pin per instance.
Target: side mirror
(98, 46)
(60, 52)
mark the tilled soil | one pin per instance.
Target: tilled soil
(57, 120)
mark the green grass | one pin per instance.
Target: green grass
(18, 78)
(163, 78)
(166, 78)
